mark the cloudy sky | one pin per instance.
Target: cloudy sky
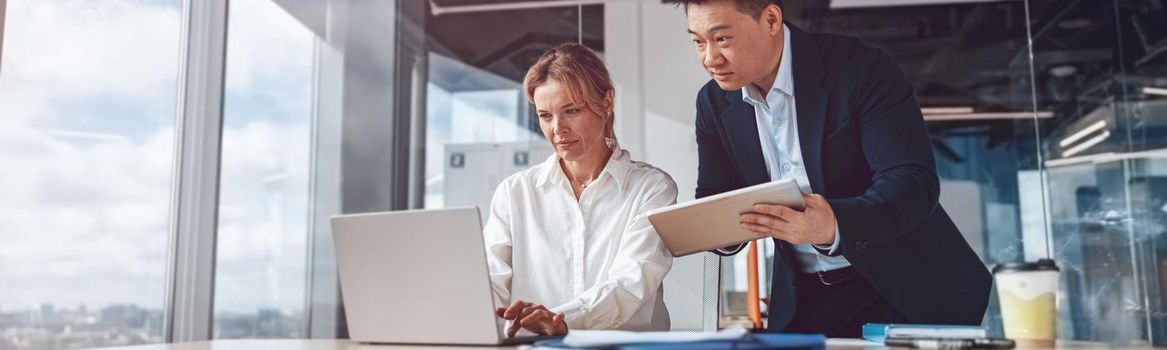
(88, 93)
(88, 99)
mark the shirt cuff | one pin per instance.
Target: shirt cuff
(573, 314)
(834, 246)
(733, 250)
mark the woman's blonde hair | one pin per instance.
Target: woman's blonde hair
(585, 76)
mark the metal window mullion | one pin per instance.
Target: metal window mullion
(323, 313)
(313, 185)
(3, 7)
(194, 216)
(412, 61)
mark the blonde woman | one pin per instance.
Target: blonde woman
(567, 241)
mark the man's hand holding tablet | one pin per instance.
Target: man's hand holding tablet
(813, 225)
(719, 221)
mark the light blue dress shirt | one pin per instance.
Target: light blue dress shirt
(778, 132)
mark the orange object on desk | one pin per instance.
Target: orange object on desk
(753, 308)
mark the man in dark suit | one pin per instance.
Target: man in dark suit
(838, 115)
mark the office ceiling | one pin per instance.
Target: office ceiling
(976, 54)
(1086, 54)
(958, 53)
(516, 37)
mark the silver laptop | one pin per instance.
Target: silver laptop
(417, 277)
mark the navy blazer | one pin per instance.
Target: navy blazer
(865, 149)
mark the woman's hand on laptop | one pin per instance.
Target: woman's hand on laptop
(532, 317)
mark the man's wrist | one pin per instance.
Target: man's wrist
(830, 248)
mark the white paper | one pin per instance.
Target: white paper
(592, 339)
(848, 342)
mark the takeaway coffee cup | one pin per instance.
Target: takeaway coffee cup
(1028, 297)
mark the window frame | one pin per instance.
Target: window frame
(195, 185)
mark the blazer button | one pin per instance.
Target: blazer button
(860, 245)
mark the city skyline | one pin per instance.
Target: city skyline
(62, 327)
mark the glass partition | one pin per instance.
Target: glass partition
(480, 128)
(969, 64)
(1100, 66)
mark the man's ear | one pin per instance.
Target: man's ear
(772, 15)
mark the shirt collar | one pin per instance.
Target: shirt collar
(617, 167)
(783, 80)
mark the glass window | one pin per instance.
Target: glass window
(261, 267)
(87, 137)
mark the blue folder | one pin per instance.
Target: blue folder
(754, 341)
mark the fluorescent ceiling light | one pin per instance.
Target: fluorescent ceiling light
(839, 4)
(987, 116)
(439, 10)
(1078, 135)
(1087, 144)
(946, 110)
(1151, 90)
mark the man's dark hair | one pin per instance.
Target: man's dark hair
(750, 7)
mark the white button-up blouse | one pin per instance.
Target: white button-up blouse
(597, 260)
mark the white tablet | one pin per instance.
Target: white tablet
(714, 222)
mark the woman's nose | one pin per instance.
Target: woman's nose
(559, 126)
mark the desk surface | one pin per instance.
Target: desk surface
(344, 344)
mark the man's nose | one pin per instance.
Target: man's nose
(712, 56)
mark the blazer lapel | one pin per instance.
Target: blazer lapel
(742, 132)
(811, 101)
